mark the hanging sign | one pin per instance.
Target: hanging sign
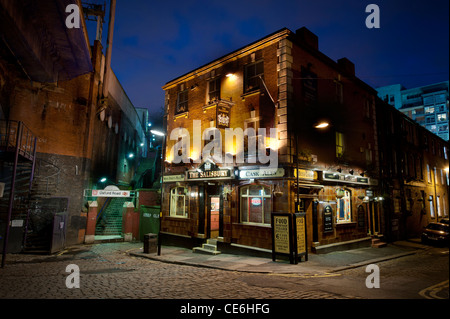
(223, 117)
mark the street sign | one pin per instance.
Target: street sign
(106, 193)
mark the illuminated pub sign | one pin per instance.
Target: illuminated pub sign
(209, 170)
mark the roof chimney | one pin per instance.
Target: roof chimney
(347, 67)
(308, 38)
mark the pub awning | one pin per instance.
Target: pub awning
(36, 35)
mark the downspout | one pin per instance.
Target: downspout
(112, 15)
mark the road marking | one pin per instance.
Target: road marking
(431, 292)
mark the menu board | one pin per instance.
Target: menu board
(281, 234)
(327, 219)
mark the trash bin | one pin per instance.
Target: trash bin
(150, 243)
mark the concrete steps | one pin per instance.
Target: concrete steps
(377, 243)
(210, 248)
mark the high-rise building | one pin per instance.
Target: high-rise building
(427, 105)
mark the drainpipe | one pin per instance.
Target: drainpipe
(112, 15)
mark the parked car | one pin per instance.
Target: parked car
(436, 233)
(444, 221)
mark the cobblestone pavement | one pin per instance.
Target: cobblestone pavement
(107, 271)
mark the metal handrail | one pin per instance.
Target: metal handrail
(9, 130)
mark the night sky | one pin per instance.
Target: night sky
(157, 41)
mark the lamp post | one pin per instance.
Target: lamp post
(163, 154)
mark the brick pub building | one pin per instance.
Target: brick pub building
(326, 132)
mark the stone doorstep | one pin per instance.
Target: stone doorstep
(356, 243)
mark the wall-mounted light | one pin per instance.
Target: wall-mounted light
(103, 179)
(322, 125)
(351, 172)
(339, 170)
(230, 75)
(149, 124)
(131, 155)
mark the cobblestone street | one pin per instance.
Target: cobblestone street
(107, 271)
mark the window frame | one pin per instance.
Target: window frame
(184, 102)
(256, 76)
(348, 217)
(173, 212)
(247, 198)
(217, 82)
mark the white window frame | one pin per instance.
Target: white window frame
(174, 201)
(244, 198)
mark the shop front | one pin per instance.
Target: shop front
(234, 206)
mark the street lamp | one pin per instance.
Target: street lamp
(163, 151)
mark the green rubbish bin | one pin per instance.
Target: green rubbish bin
(149, 220)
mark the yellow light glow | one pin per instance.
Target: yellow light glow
(271, 143)
(322, 125)
(230, 75)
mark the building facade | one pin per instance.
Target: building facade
(427, 105)
(414, 176)
(309, 144)
(86, 137)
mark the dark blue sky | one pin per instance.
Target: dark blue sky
(157, 41)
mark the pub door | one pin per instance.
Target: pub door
(214, 212)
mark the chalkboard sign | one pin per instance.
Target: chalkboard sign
(327, 219)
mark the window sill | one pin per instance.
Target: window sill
(180, 115)
(250, 93)
(343, 224)
(176, 217)
(253, 225)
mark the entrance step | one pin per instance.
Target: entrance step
(209, 248)
(377, 243)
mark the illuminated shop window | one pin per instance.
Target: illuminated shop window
(344, 208)
(178, 202)
(256, 204)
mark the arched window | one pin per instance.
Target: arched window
(256, 204)
(178, 202)
(344, 208)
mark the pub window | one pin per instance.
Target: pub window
(252, 73)
(178, 202)
(256, 204)
(344, 208)
(214, 90)
(339, 144)
(182, 102)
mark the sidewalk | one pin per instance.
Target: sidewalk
(317, 264)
